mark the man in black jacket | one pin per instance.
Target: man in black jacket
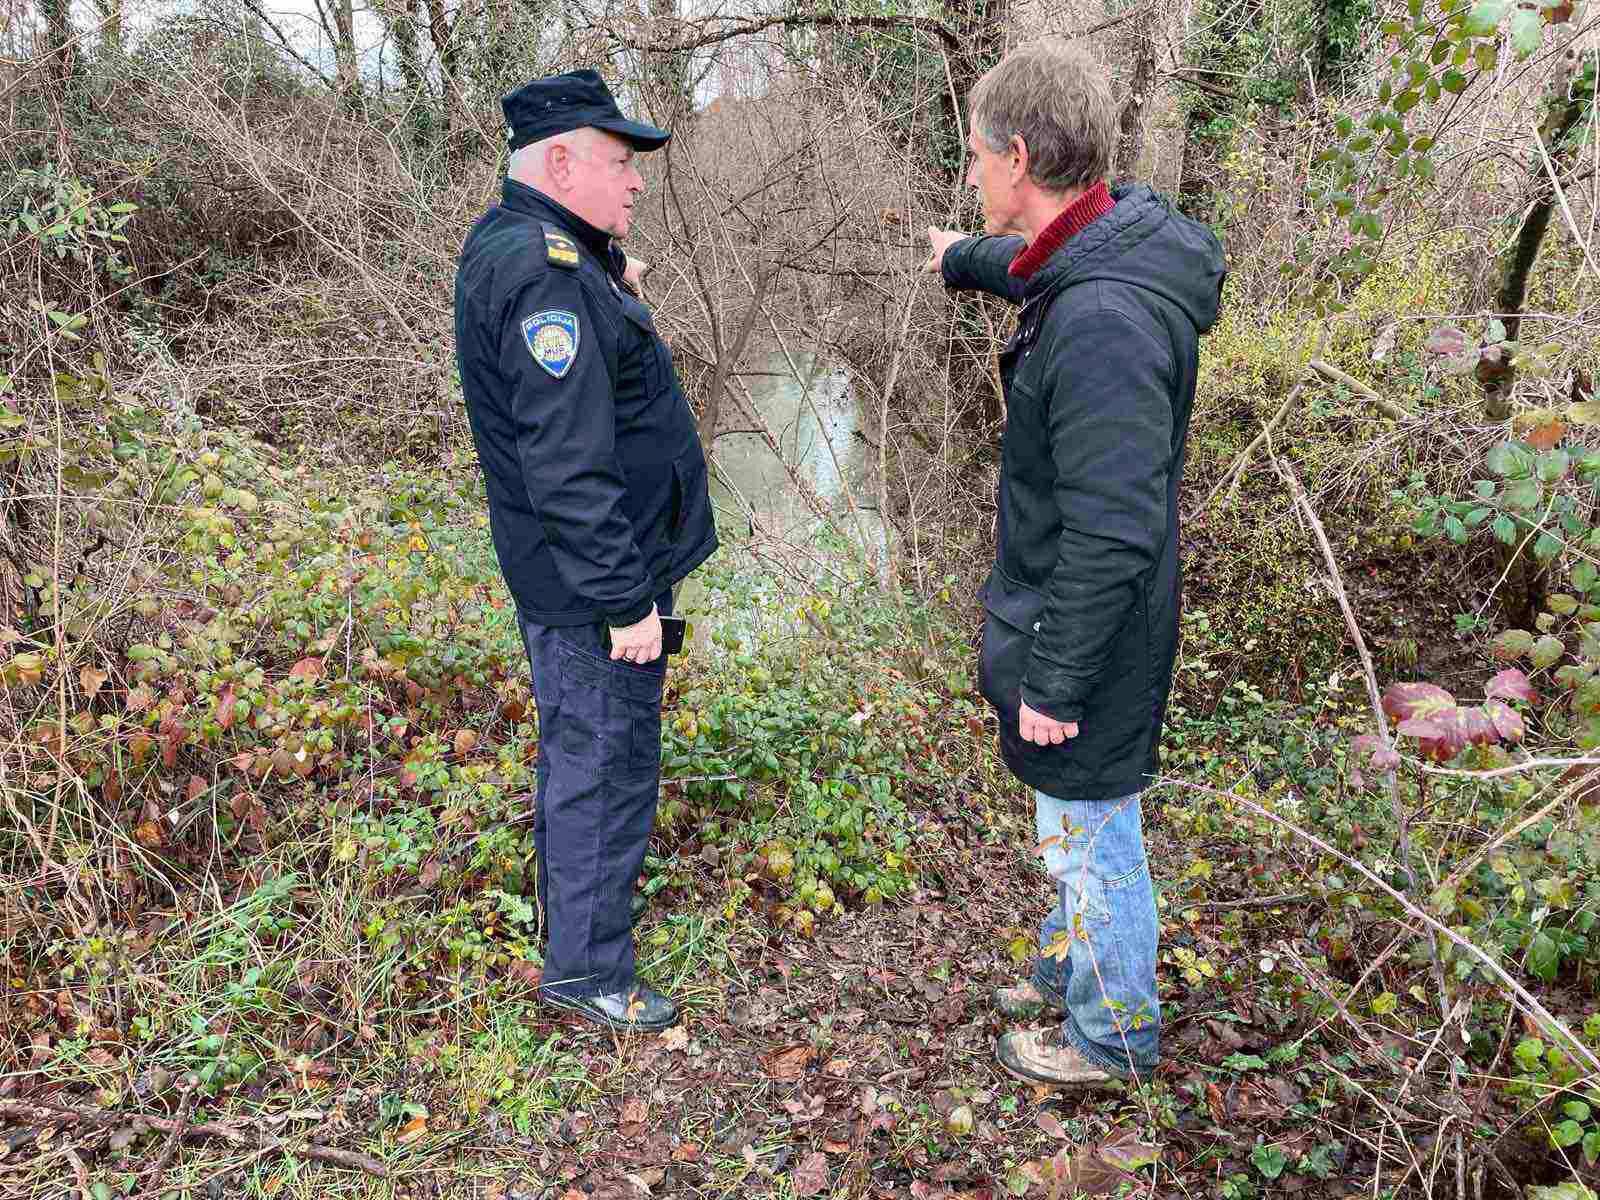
(1081, 626)
(597, 506)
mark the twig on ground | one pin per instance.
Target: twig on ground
(1255, 901)
(185, 1111)
(45, 1111)
(1384, 405)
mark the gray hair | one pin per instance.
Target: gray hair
(1057, 99)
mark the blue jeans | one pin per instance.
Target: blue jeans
(1105, 915)
(599, 774)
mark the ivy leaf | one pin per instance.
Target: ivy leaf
(1568, 1133)
(1238, 1061)
(1553, 465)
(1512, 684)
(1484, 19)
(1543, 959)
(1547, 651)
(1524, 494)
(1510, 644)
(1269, 1160)
(1403, 701)
(1447, 341)
(1384, 1003)
(1507, 722)
(1527, 31)
(1505, 529)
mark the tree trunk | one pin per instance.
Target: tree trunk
(1141, 83)
(1523, 592)
(1565, 106)
(58, 39)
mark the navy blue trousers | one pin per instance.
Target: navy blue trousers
(599, 776)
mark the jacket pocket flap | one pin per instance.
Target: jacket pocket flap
(1016, 604)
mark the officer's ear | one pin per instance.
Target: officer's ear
(1019, 159)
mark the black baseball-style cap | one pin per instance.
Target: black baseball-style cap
(559, 103)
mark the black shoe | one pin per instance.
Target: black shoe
(637, 1008)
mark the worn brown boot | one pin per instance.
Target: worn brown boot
(1040, 1056)
(1026, 1000)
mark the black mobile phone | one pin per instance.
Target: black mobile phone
(672, 631)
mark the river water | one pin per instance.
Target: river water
(815, 414)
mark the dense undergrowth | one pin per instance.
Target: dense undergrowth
(268, 749)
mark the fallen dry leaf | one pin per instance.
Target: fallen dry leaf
(412, 1130)
(1047, 1122)
(306, 668)
(676, 1038)
(811, 1176)
(634, 1110)
(686, 1152)
(92, 681)
(1127, 1152)
(789, 1063)
(465, 740)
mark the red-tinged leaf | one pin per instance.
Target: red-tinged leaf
(1546, 436)
(139, 746)
(1511, 684)
(1403, 700)
(148, 834)
(1127, 1152)
(1422, 728)
(1448, 340)
(225, 705)
(1047, 1122)
(195, 789)
(1507, 720)
(307, 668)
(169, 747)
(1385, 760)
(811, 1176)
(243, 761)
(1476, 727)
(139, 699)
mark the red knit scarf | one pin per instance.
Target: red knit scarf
(1074, 219)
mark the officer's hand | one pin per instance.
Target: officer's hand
(1041, 730)
(942, 240)
(639, 642)
(635, 272)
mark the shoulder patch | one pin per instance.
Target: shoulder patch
(552, 338)
(559, 249)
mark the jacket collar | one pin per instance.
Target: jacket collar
(519, 197)
(1072, 220)
(1138, 213)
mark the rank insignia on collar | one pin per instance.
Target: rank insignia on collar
(552, 337)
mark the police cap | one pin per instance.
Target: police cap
(560, 103)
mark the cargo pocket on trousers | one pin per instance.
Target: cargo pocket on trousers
(610, 714)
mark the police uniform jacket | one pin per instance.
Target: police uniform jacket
(595, 475)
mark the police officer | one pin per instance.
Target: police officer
(597, 506)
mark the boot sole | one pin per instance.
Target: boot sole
(583, 1010)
